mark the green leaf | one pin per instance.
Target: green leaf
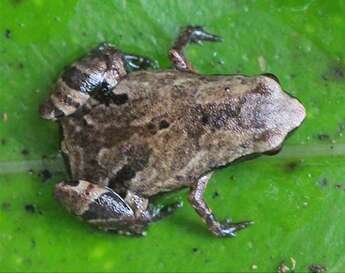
(296, 199)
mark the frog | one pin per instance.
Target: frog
(132, 132)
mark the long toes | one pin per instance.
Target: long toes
(131, 233)
(159, 213)
(136, 62)
(198, 34)
(230, 229)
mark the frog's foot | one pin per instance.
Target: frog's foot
(229, 229)
(200, 206)
(102, 207)
(191, 34)
(157, 213)
(136, 62)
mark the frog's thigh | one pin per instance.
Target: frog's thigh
(100, 206)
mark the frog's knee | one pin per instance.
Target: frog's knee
(64, 101)
(92, 202)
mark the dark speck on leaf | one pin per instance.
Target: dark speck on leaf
(323, 182)
(335, 73)
(215, 194)
(3, 141)
(30, 208)
(46, 175)
(195, 249)
(25, 152)
(323, 137)
(338, 72)
(33, 243)
(317, 268)
(340, 186)
(5, 206)
(20, 65)
(292, 166)
(8, 34)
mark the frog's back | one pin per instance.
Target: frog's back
(165, 129)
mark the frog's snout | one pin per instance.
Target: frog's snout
(49, 111)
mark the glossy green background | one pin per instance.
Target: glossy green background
(297, 199)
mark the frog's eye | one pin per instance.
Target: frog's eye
(272, 76)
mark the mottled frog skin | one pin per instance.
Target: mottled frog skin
(130, 134)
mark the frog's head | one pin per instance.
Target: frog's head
(252, 114)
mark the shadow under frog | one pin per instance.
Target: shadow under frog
(130, 133)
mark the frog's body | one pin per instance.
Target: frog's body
(160, 131)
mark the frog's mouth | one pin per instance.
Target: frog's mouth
(49, 111)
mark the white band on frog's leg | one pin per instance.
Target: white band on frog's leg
(99, 71)
(91, 201)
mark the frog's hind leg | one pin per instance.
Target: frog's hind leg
(196, 198)
(191, 34)
(98, 72)
(102, 207)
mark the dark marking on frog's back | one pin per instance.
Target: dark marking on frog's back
(151, 128)
(261, 89)
(217, 116)
(138, 158)
(119, 99)
(124, 174)
(164, 124)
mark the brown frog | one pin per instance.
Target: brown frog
(130, 134)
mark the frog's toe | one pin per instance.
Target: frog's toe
(229, 229)
(158, 213)
(136, 62)
(198, 34)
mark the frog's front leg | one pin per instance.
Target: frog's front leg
(99, 71)
(191, 34)
(196, 198)
(105, 209)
